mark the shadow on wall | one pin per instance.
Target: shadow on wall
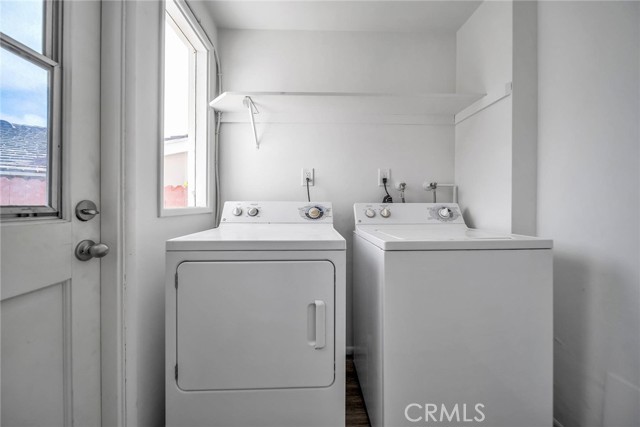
(466, 215)
(570, 334)
(586, 295)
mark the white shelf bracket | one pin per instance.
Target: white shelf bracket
(248, 102)
(494, 95)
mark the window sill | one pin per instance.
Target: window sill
(185, 211)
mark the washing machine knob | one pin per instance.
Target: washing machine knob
(444, 212)
(253, 211)
(386, 213)
(370, 213)
(314, 213)
(237, 211)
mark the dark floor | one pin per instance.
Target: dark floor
(356, 412)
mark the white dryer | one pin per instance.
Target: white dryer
(452, 326)
(255, 319)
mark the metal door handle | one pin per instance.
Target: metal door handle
(320, 324)
(88, 249)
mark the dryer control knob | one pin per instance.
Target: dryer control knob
(314, 213)
(370, 213)
(253, 211)
(386, 213)
(444, 212)
(237, 211)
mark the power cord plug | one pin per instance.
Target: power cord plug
(308, 193)
(387, 198)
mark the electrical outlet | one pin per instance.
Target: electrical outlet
(308, 173)
(384, 173)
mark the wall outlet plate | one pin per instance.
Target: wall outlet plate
(384, 173)
(308, 173)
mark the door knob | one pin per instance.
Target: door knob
(88, 249)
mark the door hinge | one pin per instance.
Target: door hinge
(176, 371)
(176, 281)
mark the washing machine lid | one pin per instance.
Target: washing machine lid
(261, 237)
(444, 237)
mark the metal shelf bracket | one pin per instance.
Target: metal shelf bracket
(253, 110)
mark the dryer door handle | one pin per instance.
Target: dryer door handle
(321, 319)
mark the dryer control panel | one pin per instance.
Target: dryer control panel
(407, 213)
(277, 212)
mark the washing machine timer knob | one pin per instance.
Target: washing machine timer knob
(237, 211)
(370, 213)
(444, 212)
(253, 211)
(314, 213)
(385, 213)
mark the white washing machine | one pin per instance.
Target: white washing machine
(452, 326)
(255, 319)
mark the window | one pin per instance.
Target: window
(185, 148)
(29, 108)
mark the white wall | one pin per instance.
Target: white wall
(202, 13)
(484, 48)
(589, 92)
(337, 61)
(483, 147)
(496, 149)
(345, 156)
(483, 167)
(145, 232)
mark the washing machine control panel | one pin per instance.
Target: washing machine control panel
(277, 212)
(443, 213)
(407, 213)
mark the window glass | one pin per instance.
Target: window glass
(23, 20)
(185, 148)
(176, 81)
(24, 132)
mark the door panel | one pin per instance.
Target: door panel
(34, 256)
(255, 325)
(35, 383)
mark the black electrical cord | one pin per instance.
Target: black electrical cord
(308, 194)
(387, 198)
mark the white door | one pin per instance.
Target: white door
(50, 309)
(255, 325)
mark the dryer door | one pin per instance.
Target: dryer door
(255, 325)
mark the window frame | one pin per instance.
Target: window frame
(181, 15)
(50, 60)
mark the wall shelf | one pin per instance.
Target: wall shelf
(343, 107)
